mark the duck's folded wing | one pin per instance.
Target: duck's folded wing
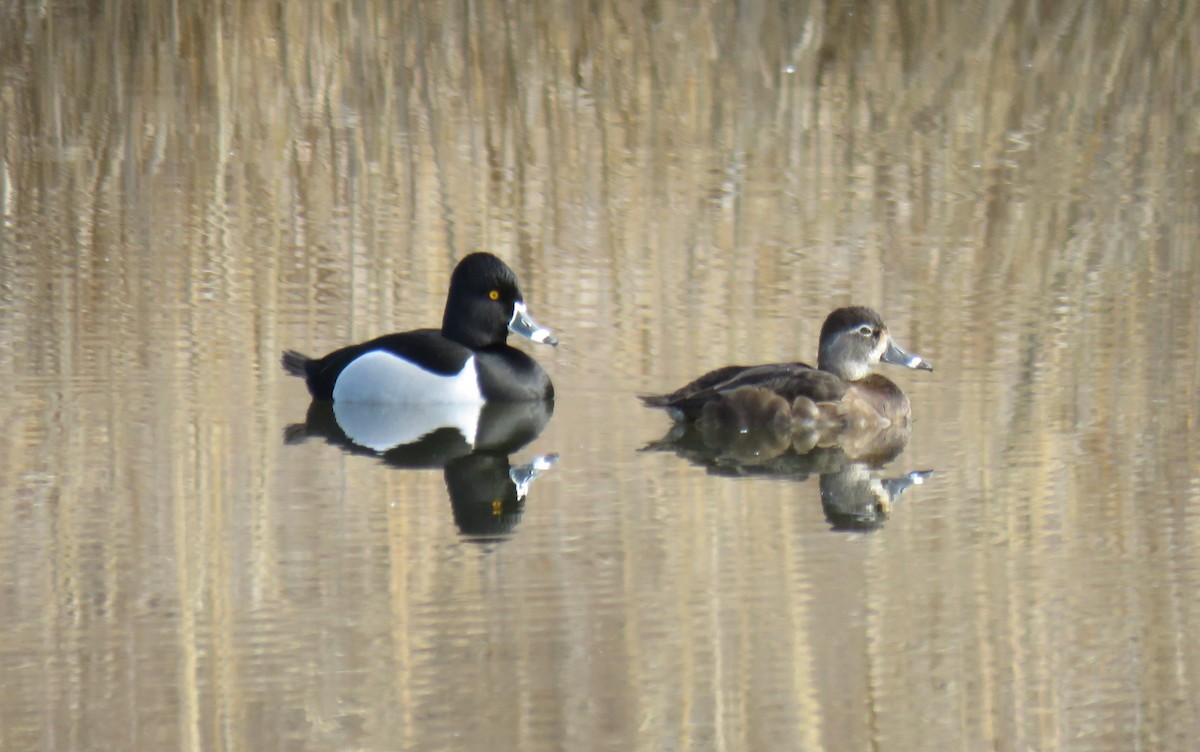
(788, 380)
(702, 384)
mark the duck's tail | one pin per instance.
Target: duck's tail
(655, 400)
(295, 363)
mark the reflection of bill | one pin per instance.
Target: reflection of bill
(523, 475)
(471, 443)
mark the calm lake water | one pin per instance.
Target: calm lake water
(191, 558)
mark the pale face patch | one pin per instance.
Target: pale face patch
(378, 377)
(880, 348)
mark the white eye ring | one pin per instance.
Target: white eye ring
(865, 330)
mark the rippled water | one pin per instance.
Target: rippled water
(193, 556)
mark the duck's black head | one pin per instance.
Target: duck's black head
(485, 303)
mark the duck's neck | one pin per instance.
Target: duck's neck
(839, 367)
(465, 329)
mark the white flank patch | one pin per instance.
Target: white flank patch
(381, 378)
(382, 427)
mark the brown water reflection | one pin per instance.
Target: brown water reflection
(186, 189)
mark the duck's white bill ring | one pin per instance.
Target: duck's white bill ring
(523, 324)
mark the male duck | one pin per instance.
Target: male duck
(840, 394)
(466, 361)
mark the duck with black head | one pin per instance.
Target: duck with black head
(839, 401)
(468, 360)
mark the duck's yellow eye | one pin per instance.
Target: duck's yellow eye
(494, 295)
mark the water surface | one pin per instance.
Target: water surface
(187, 190)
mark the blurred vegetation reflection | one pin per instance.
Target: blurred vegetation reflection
(187, 188)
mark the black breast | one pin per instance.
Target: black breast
(508, 375)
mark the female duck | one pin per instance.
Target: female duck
(839, 394)
(467, 361)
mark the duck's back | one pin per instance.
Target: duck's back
(788, 380)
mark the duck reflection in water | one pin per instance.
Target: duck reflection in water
(854, 496)
(838, 420)
(487, 493)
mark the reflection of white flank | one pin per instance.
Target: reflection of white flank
(382, 378)
(382, 427)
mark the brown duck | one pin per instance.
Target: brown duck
(840, 402)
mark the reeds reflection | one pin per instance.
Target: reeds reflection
(186, 188)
